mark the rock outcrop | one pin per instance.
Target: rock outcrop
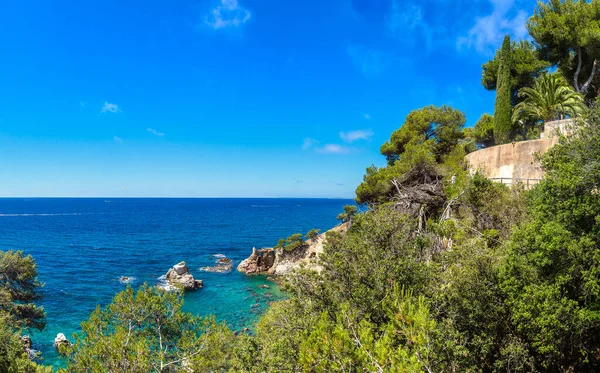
(28, 346)
(261, 261)
(126, 279)
(26, 340)
(271, 261)
(223, 265)
(180, 277)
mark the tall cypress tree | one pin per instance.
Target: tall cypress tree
(503, 110)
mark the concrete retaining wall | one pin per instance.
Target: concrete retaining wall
(517, 161)
(511, 161)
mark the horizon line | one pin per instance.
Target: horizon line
(163, 197)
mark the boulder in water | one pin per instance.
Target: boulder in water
(28, 347)
(126, 279)
(61, 343)
(224, 261)
(223, 265)
(180, 276)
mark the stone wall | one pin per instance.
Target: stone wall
(557, 127)
(517, 161)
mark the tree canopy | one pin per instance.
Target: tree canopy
(349, 212)
(550, 98)
(146, 331)
(18, 311)
(429, 136)
(551, 275)
(525, 67)
(13, 356)
(18, 290)
(437, 128)
(568, 35)
(481, 135)
(503, 109)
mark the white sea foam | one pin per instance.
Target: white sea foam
(127, 279)
(219, 256)
(164, 284)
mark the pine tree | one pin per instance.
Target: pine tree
(503, 110)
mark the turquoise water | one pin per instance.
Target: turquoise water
(83, 247)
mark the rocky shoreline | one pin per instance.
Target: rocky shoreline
(280, 262)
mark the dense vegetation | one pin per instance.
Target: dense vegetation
(18, 312)
(445, 271)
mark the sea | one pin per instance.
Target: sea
(84, 246)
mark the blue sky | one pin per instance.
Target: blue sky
(226, 98)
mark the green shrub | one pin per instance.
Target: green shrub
(312, 234)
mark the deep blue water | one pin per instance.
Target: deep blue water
(83, 247)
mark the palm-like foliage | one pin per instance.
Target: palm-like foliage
(550, 98)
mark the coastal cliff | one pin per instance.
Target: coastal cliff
(279, 261)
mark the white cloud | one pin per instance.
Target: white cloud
(227, 14)
(314, 145)
(155, 132)
(353, 136)
(371, 62)
(404, 17)
(414, 25)
(334, 149)
(488, 31)
(309, 143)
(367, 116)
(110, 108)
(117, 139)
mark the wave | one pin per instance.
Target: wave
(65, 214)
(84, 246)
(219, 256)
(164, 284)
(127, 279)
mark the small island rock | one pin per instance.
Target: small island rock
(61, 343)
(223, 265)
(126, 279)
(180, 276)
